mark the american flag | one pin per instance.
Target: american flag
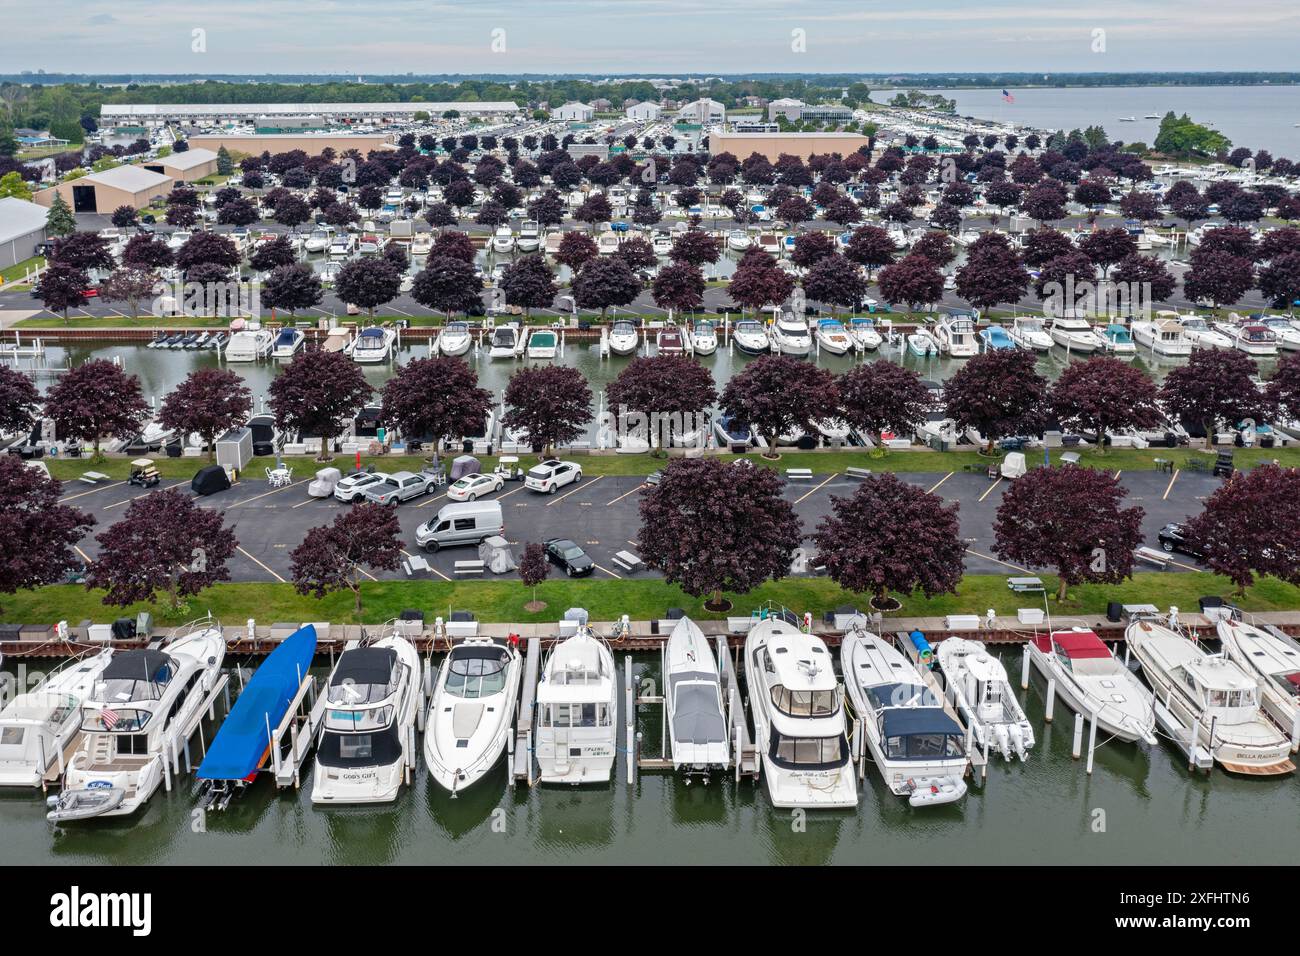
(109, 718)
(1007, 97)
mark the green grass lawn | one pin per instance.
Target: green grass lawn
(645, 599)
(150, 322)
(821, 462)
(18, 270)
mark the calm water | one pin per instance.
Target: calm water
(1042, 811)
(1257, 117)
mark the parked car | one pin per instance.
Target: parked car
(352, 488)
(552, 474)
(1173, 538)
(566, 555)
(471, 486)
(400, 486)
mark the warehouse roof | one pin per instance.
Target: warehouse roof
(109, 110)
(133, 179)
(18, 217)
(194, 156)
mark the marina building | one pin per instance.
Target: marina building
(218, 114)
(132, 186)
(22, 229)
(643, 112)
(772, 145)
(187, 167)
(573, 113)
(310, 143)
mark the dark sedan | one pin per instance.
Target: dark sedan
(1173, 538)
(564, 554)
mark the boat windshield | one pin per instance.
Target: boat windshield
(804, 703)
(477, 672)
(1031, 325)
(808, 753)
(1197, 324)
(135, 675)
(923, 746)
(574, 715)
(377, 749)
(364, 675)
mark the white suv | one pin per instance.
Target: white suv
(547, 476)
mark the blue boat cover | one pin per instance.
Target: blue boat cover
(905, 721)
(241, 744)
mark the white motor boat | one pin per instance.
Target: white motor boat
(455, 339)
(507, 342)
(1253, 338)
(1210, 700)
(697, 721)
(916, 743)
(422, 244)
(607, 243)
(984, 697)
(1027, 332)
(624, 339)
(922, 343)
(287, 343)
(342, 246)
(471, 714)
(864, 333)
(1162, 337)
(529, 237)
(1074, 334)
(750, 337)
(373, 344)
(1199, 333)
(577, 711)
(738, 240)
(367, 743)
(790, 334)
(38, 728)
(704, 337)
(955, 335)
(318, 241)
(144, 706)
(832, 337)
(1091, 679)
(1273, 659)
(1284, 331)
(799, 723)
(543, 344)
(662, 243)
(249, 345)
(178, 239)
(503, 240)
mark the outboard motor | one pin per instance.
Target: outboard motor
(1018, 742)
(1001, 739)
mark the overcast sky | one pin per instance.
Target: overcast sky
(646, 36)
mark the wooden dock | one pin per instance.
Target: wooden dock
(521, 751)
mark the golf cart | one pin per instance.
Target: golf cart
(144, 473)
(508, 467)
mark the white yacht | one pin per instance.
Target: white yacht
(832, 337)
(318, 241)
(543, 344)
(697, 722)
(1273, 659)
(367, 743)
(916, 744)
(577, 711)
(471, 714)
(503, 240)
(529, 237)
(1213, 700)
(1028, 332)
(249, 345)
(455, 339)
(1091, 679)
(342, 246)
(956, 336)
(1253, 338)
(984, 697)
(790, 334)
(288, 341)
(38, 728)
(607, 243)
(750, 337)
(1284, 331)
(922, 342)
(864, 333)
(704, 337)
(799, 724)
(507, 342)
(1162, 337)
(1073, 333)
(1201, 335)
(624, 338)
(145, 704)
(738, 240)
(662, 243)
(373, 344)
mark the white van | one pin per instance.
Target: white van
(466, 522)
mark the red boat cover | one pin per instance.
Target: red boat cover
(1077, 645)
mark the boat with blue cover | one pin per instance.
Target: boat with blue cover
(243, 744)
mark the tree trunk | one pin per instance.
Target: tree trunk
(1060, 590)
(356, 593)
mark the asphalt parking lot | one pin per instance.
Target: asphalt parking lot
(600, 514)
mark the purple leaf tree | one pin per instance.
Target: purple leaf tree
(334, 557)
(1251, 525)
(210, 401)
(997, 393)
(315, 392)
(436, 398)
(551, 403)
(19, 400)
(1215, 386)
(38, 532)
(533, 569)
(663, 385)
(94, 401)
(880, 396)
(1104, 394)
(777, 394)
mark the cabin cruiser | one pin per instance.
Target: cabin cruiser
(1253, 338)
(1074, 334)
(922, 343)
(421, 244)
(697, 719)
(503, 240)
(670, 341)
(338, 339)
(916, 743)
(507, 342)
(373, 344)
(577, 711)
(455, 339)
(662, 243)
(790, 334)
(287, 342)
(1091, 679)
(1201, 335)
(832, 337)
(738, 240)
(984, 697)
(471, 716)
(994, 338)
(543, 344)
(750, 337)
(607, 243)
(342, 246)
(864, 333)
(624, 339)
(1272, 657)
(1212, 700)
(956, 336)
(1284, 331)
(144, 706)
(367, 743)
(1116, 341)
(529, 237)
(799, 724)
(704, 337)
(1027, 332)
(38, 728)
(1162, 337)
(178, 239)
(249, 345)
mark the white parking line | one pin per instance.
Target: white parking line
(811, 490)
(273, 491)
(933, 488)
(607, 571)
(990, 490)
(82, 494)
(259, 564)
(622, 496)
(578, 487)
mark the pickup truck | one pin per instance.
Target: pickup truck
(400, 486)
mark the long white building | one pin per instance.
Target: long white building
(116, 114)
